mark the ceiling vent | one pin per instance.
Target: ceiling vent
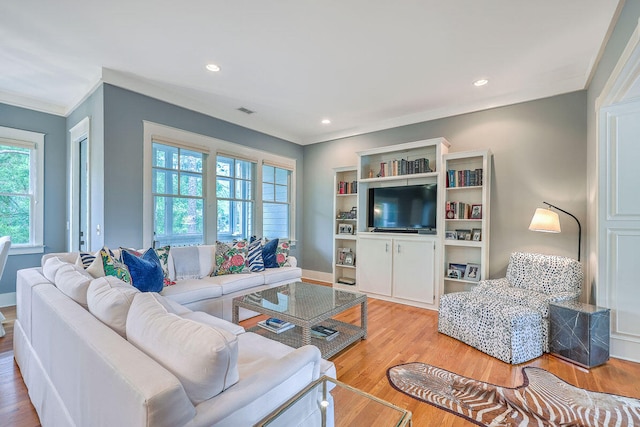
(246, 110)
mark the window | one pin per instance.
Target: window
(21, 189)
(199, 189)
(235, 198)
(276, 205)
(178, 195)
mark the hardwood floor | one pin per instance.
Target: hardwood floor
(397, 334)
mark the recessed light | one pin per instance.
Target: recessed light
(213, 67)
(326, 121)
(480, 82)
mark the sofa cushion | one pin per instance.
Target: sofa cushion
(275, 275)
(188, 291)
(146, 271)
(109, 299)
(269, 254)
(203, 358)
(50, 268)
(216, 322)
(236, 282)
(73, 281)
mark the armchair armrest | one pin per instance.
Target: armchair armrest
(483, 285)
(564, 296)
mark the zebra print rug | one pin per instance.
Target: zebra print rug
(542, 400)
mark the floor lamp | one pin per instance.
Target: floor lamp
(547, 221)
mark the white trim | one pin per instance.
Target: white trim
(318, 275)
(77, 133)
(8, 299)
(154, 130)
(25, 250)
(37, 227)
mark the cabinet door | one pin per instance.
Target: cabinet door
(374, 265)
(413, 270)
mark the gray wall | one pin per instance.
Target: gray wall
(92, 107)
(539, 150)
(54, 184)
(627, 23)
(124, 112)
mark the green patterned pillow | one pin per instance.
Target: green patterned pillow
(163, 256)
(113, 266)
(231, 258)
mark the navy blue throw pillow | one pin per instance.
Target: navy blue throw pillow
(269, 254)
(146, 271)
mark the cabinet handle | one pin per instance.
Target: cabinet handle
(398, 247)
(386, 247)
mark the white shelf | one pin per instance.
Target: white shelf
(346, 237)
(345, 266)
(344, 202)
(400, 177)
(466, 251)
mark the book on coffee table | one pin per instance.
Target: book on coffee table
(275, 325)
(323, 332)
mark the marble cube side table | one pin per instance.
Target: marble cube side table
(579, 333)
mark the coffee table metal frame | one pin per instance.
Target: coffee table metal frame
(403, 419)
(304, 320)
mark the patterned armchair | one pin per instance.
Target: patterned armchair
(508, 318)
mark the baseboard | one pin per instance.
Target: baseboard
(8, 299)
(317, 276)
(624, 348)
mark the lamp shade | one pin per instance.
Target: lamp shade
(545, 220)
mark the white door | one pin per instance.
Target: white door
(374, 265)
(413, 270)
(619, 225)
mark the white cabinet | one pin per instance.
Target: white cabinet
(414, 270)
(397, 266)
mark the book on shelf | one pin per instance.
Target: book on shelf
(348, 187)
(275, 325)
(464, 178)
(324, 332)
(461, 210)
(404, 167)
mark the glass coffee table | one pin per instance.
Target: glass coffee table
(327, 402)
(307, 305)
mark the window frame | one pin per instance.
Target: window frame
(213, 147)
(180, 172)
(35, 142)
(290, 197)
(252, 201)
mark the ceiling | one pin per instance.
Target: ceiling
(365, 64)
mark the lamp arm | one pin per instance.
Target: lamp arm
(579, 226)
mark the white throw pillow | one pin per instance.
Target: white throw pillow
(73, 281)
(109, 299)
(203, 358)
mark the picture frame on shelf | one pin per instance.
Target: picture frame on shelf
(450, 235)
(452, 273)
(460, 268)
(463, 234)
(476, 234)
(476, 211)
(349, 259)
(345, 228)
(341, 255)
(472, 272)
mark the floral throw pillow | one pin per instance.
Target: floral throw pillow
(114, 267)
(282, 253)
(163, 256)
(231, 258)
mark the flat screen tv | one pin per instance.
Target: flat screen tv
(409, 208)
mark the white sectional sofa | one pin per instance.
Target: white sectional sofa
(213, 294)
(98, 352)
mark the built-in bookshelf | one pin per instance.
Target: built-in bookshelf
(345, 219)
(465, 204)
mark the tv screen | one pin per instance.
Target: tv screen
(409, 208)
